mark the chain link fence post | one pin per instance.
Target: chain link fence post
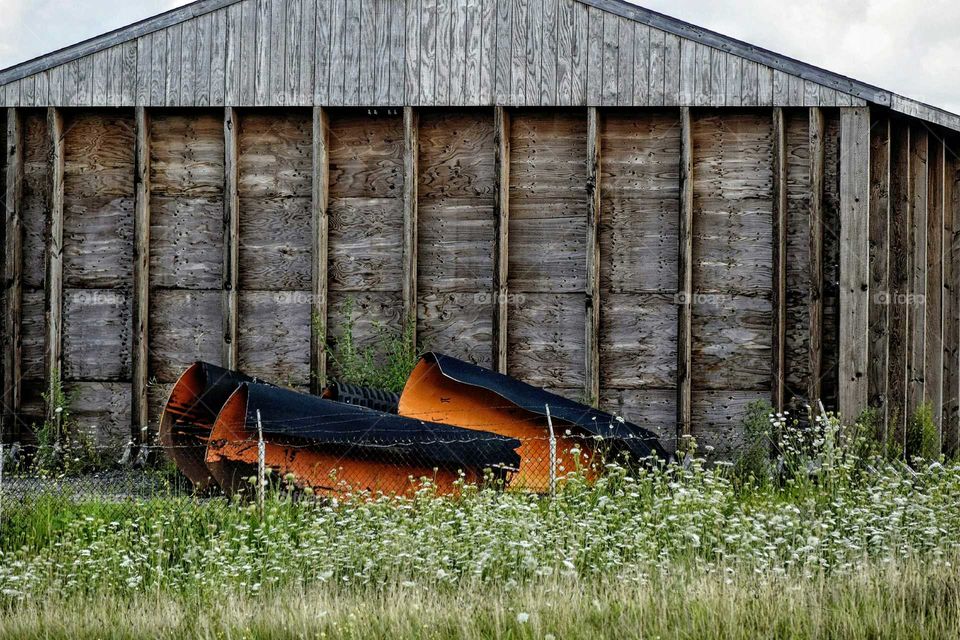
(553, 454)
(261, 465)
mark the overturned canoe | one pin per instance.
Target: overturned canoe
(189, 414)
(335, 448)
(450, 391)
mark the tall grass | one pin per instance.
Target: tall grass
(832, 543)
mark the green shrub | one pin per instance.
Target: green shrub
(923, 437)
(62, 447)
(753, 463)
(384, 363)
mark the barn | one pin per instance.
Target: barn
(593, 197)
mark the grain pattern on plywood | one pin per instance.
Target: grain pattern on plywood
(96, 334)
(640, 201)
(98, 199)
(185, 326)
(186, 197)
(547, 248)
(275, 173)
(455, 233)
(274, 336)
(733, 185)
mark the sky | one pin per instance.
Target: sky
(910, 47)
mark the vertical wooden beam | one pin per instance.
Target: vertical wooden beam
(815, 300)
(592, 387)
(916, 302)
(13, 266)
(951, 302)
(501, 242)
(685, 280)
(231, 241)
(320, 225)
(854, 262)
(411, 176)
(53, 297)
(779, 258)
(899, 317)
(933, 302)
(879, 347)
(141, 278)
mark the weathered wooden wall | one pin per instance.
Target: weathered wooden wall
(427, 53)
(563, 239)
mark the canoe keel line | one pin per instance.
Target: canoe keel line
(454, 424)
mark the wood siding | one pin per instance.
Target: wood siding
(416, 53)
(493, 207)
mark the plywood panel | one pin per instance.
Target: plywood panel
(275, 336)
(185, 326)
(102, 411)
(365, 224)
(35, 195)
(640, 191)
(547, 248)
(275, 167)
(732, 318)
(456, 229)
(186, 208)
(96, 334)
(653, 409)
(98, 199)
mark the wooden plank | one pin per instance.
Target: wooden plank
(933, 303)
(173, 68)
(13, 261)
(204, 53)
(261, 64)
(879, 268)
(815, 298)
(534, 51)
(54, 266)
(688, 76)
(611, 43)
(128, 92)
(685, 278)
(319, 220)
(428, 52)
(249, 53)
(900, 282)
(625, 64)
(321, 64)
(504, 45)
(293, 58)
(278, 51)
(411, 86)
(397, 47)
(189, 62)
(411, 155)
(458, 53)
(141, 280)
(854, 269)
(917, 308)
(158, 71)
(231, 240)
(441, 79)
(565, 45)
(549, 54)
(592, 319)
(655, 75)
(501, 245)
(370, 24)
(779, 258)
(595, 57)
(224, 68)
(641, 65)
(951, 306)
(578, 64)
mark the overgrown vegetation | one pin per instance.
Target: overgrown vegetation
(63, 448)
(827, 543)
(383, 362)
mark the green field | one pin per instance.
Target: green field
(829, 543)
